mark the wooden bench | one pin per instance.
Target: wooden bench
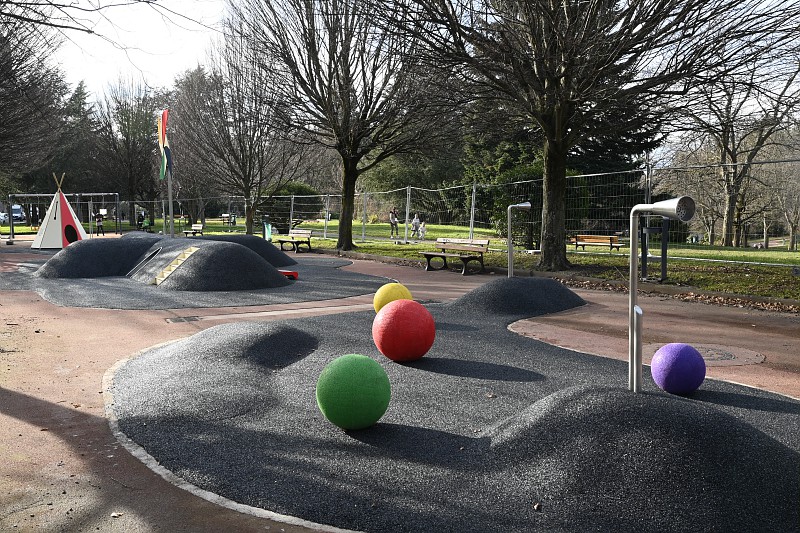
(465, 250)
(196, 229)
(295, 238)
(612, 241)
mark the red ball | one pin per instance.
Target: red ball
(403, 330)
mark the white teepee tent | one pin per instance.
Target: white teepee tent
(60, 226)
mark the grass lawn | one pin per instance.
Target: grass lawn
(709, 269)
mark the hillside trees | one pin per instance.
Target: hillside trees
(575, 67)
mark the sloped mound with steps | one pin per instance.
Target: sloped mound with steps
(97, 258)
(179, 264)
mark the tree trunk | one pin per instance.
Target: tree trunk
(349, 177)
(728, 232)
(792, 237)
(554, 194)
(249, 215)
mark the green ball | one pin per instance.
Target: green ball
(353, 391)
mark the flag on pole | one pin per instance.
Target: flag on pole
(163, 144)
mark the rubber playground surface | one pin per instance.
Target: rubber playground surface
(496, 428)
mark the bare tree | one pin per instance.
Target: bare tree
(31, 94)
(740, 113)
(128, 142)
(348, 84)
(789, 202)
(576, 67)
(231, 131)
(192, 179)
(70, 16)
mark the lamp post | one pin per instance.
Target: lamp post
(523, 205)
(677, 208)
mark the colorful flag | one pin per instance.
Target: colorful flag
(163, 144)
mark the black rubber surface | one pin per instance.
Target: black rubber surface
(490, 431)
(118, 274)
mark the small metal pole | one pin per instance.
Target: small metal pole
(510, 242)
(408, 213)
(472, 211)
(635, 376)
(363, 220)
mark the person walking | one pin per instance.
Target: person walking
(394, 230)
(415, 226)
(422, 230)
(98, 218)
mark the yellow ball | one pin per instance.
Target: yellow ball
(389, 293)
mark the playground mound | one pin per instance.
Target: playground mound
(271, 253)
(647, 451)
(96, 258)
(518, 297)
(490, 431)
(212, 265)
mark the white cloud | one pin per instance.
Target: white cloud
(142, 42)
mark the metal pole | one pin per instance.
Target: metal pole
(510, 245)
(472, 211)
(363, 219)
(634, 352)
(408, 214)
(327, 214)
(510, 240)
(10, 219)
(637, 348)
(291, 212)
(169, 199)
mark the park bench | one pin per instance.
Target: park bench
(196, 229)
(465, 250)
(612, 241)
(295, 238)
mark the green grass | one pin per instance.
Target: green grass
(721, 271)
(730, 277)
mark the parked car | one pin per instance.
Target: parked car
(17, 213)
(3, 218)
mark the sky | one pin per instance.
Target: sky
(140, 43)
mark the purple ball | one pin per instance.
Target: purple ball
(678, 368)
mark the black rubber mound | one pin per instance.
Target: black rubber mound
(646, 451)
(490, 431)
(264, 345)
(271, 253)
(518, 297)
(96, 258)
(224, 266)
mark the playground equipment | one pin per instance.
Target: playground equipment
(523, 205)
(403, 330)
(353, 391)
(60, 226)
(81, 201)
(678, 368)
(682, 209)
(389, 293)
